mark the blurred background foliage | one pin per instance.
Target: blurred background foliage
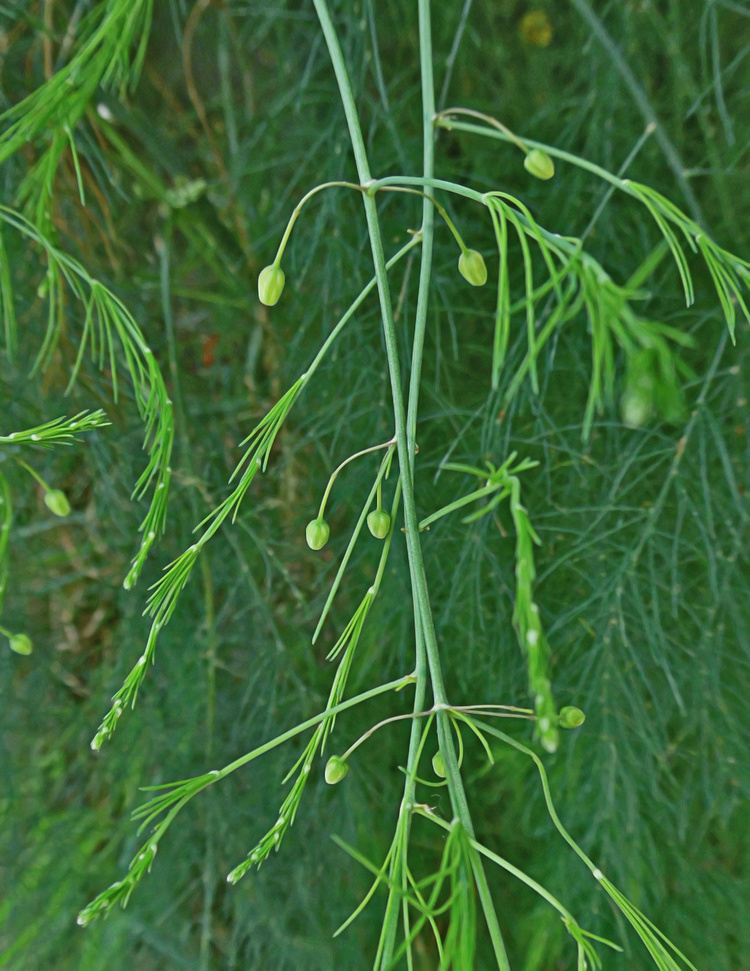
(643, 571)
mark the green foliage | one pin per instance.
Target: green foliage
(155, 158)
(110, 48)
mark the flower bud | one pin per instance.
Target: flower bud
(336, 769)
(270, 284)
(438, 766)
(379, 523)
(535, 28)
(471, 267)
(57, 502)
(539, 164)
(21, 643)
(636, 407)
(317, 534)
(571, 717)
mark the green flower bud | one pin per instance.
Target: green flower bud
(571, 717)
(336, 769)
(636, 407)
(270, 284)
(317, 534)
(438, 766)
(539, 164)
(379, 523)
(57, 502)
(21, 643)
(471, 267)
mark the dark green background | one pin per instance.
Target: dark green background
(646, 612)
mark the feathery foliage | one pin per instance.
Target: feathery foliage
(152, 156)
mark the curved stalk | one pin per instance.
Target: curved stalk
(334, 474)
(298, 209)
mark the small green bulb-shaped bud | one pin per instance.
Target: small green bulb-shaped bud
(438, 766)
(571, 717)
(270, 284)
(336, 769)
(379, 523)
(21, 643)
(317, 534)
(471, 267)
(636, 407)
(539, 164)
(57, 502)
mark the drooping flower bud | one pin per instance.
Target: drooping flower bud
(336, 769)
(270, 284)
(21, 644)
(571, 717)
(438, 766)
(539, 164)
(379, 523)
(57, 502)
(317, 534)
(471, 267)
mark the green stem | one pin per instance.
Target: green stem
(311, 723)
(387, 542)
(405, 451)
(414, 551)
(381, 724)
(581, 163)
(570, 246)
(509, 135)
(34, 474)
(334, 474)
(383, 471)
(616, 181)
(354, 306)
(508, 711)
(519, 874)
(298, 209)
(441, 209)
(416, 738)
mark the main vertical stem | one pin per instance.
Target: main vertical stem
(413, 547)
(406, 430)
(398, 880)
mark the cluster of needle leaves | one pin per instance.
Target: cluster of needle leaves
(151, 156)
